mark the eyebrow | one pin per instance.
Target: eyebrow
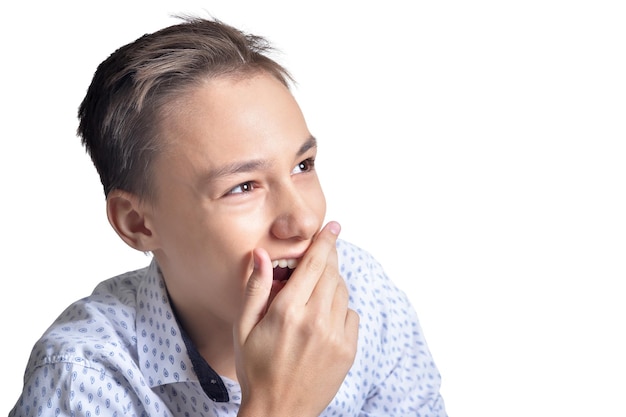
(254, 164)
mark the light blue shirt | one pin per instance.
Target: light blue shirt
(120, 351)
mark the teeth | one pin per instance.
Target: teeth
(285, 263)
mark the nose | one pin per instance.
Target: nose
(298, 214)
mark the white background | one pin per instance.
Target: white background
(476, 148)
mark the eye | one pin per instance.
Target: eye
(244, 187)
(304, 166)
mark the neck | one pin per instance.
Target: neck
(213, 338)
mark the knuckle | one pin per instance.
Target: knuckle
(316, 327)
(288, 312)
(342, 288)
(319, 325)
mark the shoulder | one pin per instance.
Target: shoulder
(367, 279)
(118, 343)
(93, 331)
(381, 304)
(393, 367)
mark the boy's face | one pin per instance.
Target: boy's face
(236, 174)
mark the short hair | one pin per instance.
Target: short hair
(120, 116)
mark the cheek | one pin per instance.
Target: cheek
(230, 243)
(318, 202)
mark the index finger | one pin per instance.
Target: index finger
(312, 265)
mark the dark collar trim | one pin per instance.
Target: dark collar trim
(210, 381)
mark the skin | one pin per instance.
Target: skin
(237, 188)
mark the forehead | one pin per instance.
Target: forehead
(226, 118)
(234, 102)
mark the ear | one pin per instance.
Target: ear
(130, 219)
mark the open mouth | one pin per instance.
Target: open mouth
(283, 268)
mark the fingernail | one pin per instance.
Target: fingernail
(334, 227)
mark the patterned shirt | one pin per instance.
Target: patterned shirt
(121, 352)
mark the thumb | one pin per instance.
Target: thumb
(256, 295)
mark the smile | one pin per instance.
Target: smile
(283, 268)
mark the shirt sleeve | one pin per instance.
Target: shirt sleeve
(69, 389)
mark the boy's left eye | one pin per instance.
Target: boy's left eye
(245, 187)
(304, 166)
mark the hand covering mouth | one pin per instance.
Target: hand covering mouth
(283, 268)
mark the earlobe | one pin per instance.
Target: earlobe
(128, 217)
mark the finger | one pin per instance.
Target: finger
(330, 286)
(306, 276)
(256, 295)
(340, 304)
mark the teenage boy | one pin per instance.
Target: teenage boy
(251, 306)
